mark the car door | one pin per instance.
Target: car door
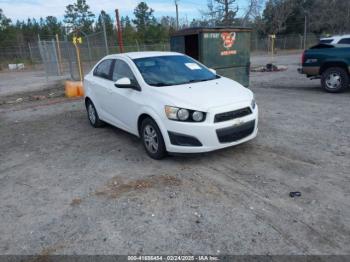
(102, 83)
(123, 103)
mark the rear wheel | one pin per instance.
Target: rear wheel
(93, 117)
(335, 80)
(152, 139)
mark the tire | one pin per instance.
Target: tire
(92, 114)
(152, 139)
(335, 80)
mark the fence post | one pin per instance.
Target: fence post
(301, 42)
(137, 44)
(105, 34)
(59, 55)
(89, 49)
(43, 57)
(55, 56)
(30, 54)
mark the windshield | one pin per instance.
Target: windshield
(172, 70)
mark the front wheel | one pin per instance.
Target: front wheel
(335, 80)
(152, 139)
(93, 117)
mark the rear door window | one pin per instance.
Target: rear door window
(104, 69)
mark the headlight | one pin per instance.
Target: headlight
(253, 103)
(182, 114)
(197, 116)
(171, 112)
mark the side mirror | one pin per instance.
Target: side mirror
(123, 82)
(212, 70)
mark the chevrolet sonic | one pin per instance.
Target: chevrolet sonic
(172, 102)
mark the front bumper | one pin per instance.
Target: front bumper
(207, 132)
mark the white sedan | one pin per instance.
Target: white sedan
(174, 103)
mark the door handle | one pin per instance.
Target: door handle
(109, 90)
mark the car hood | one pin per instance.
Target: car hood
(205, 95)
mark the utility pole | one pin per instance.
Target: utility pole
(305, 29)
(177, 15)
(119, 29)
(305, 23)
(226, 12)
(104, 33)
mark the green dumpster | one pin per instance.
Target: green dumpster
(225, 49)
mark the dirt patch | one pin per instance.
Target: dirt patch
(56, 91)
(117, 187)
(47, 252)
(76, 201)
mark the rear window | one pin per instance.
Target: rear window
(104, 69)
(321, 46)
(344, 41)
(326, 41)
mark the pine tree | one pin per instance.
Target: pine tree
(79, 17)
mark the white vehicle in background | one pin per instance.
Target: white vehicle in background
(174, 103)
(337, 39)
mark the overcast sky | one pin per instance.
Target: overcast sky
(22, 9)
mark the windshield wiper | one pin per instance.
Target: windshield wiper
(187, 82)
(198, 80)
(161, 84)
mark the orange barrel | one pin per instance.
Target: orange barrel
(80, 88)
(74, 88)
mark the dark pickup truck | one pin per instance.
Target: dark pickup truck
(330, 63)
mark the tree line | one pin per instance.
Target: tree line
(264, 16)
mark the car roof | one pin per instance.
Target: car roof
(136, 55)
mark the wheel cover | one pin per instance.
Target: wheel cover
(150, 139)
(333, 80)
(92, 114)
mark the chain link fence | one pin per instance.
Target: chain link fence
(14, 53)
(283, 42)
(59, 58)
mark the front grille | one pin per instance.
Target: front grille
(235, 133)
(232, 114)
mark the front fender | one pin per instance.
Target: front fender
(158, 119)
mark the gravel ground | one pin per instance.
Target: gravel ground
(67, 188)
(14, 82)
